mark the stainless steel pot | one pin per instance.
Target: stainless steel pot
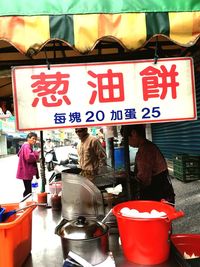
(87, 238)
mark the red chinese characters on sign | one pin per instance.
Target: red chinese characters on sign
(51, 89)
(110, 87)
(156, 83)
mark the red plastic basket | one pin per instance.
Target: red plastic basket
(188, 243)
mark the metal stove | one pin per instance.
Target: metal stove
(80, 196)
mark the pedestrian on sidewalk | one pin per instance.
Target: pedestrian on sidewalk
(27, 164)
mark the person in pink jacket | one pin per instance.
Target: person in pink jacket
(27, 164)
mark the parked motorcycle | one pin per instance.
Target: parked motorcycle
(68, 165)
(73, 158)
(50, 157)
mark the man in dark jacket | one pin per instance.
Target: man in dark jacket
(151, 172)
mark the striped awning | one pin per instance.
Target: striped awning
(28, 25)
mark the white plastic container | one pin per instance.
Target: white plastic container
(34, 185)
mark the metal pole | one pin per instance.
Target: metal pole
(129, 184)
(111, 145)
(42, 163)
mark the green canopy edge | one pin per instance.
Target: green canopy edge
(59, 7)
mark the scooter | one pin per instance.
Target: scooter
(68, 165)
(50, 157)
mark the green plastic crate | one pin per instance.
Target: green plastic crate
(186, 177)
(180, 157)
(188, 162)
(186, 169)
(185, 157)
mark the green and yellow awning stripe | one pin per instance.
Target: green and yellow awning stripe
(72, 7)
(82, 32)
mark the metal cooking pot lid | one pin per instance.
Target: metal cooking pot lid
(81, 228)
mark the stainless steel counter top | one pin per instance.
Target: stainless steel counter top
(47, 249)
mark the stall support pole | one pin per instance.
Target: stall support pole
(42, 163)
(111, 151)
(129, 183)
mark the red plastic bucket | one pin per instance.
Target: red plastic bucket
(146, 240)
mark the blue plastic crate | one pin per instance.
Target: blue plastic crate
(1, 212)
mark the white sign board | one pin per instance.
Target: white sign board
(108, 93)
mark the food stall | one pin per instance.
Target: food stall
(58, 41)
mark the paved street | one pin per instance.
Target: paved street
(188, 200)
(187, 195)
(11, 189)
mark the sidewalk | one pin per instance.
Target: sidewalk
(188, 200)
(11, 189)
